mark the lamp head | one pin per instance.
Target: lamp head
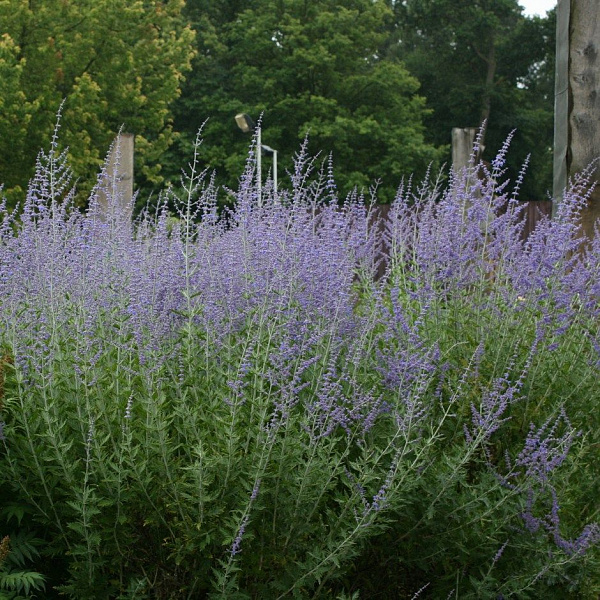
(245, 122)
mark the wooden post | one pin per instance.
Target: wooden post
(120, 167)
(577, 97)
(561, 100)
(463, 139)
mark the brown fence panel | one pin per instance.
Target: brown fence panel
(533, 213)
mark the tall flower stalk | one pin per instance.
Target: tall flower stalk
(228, 403)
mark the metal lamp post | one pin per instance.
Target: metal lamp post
(247, 125)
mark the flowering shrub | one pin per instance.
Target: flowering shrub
(232, 406)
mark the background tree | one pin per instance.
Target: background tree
(115, 62)
(310, 66)
(483, 60)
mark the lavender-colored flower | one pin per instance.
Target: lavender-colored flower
(128, 408)
(275, 310)
(419, 591)
(489, 416)
(550, 522)
(236, 546)
(546, 447)
(255, 490)
(498, 554)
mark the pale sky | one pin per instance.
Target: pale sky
(537, 7)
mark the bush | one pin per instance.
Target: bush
(231, 406)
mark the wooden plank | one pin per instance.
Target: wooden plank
(120, 167)
(463, 139)
(561, 99)
(577, 99)
(584, 93)
(584, 84)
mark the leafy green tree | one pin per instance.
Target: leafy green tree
(309, 66)
(482, 60)
(114, 62)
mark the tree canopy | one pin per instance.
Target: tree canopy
(482, 60)
(114, 63)
(379, 84)
(309, 66)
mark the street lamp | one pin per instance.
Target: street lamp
(247, 125)
(245, 122)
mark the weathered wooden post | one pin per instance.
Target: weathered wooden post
(463, 139)
(577, 97)
(120, 169)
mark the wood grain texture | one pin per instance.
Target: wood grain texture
(561, 99)
(584, 85)
(120, 169)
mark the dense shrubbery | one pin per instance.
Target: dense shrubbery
(230, 406)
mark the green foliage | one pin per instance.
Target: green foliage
(114, 63)
(481, 61)
(471, 489)
(18, 550)
(166, 491)
(310, 67)
(22, 583)
(276, 451)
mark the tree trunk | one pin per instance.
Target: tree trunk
(486, 97)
